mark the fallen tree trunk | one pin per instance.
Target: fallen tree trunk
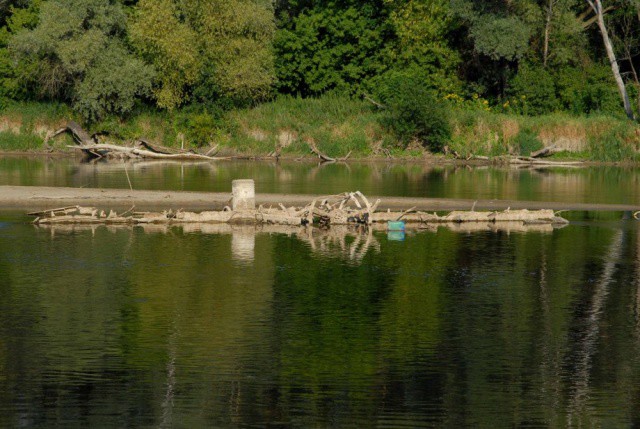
(156, 148)
(544, 152)
(133, 152)
(143, 149)
(80, 136)
(523, 160)
(324, 158)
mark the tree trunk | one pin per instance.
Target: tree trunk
(547, 33)
(596, 5)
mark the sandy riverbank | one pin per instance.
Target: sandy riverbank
(39, 197)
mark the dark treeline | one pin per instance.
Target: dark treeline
(530, 57)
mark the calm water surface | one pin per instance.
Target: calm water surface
(209, 326)
(217, 327)
(612, 185)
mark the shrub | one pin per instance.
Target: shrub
(413, 112)
(526, 142)
(199, 124)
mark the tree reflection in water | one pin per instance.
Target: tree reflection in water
(219, 325)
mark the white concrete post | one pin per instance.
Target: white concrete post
(244, 194)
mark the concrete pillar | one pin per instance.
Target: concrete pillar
(244, 194)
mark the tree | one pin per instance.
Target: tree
(421, 30)
(210, 49)
(237, 42)
(563, 33)
(334, 45)
(596, 6)
(77, 45)
(171, 45)
(495, 36)
(626, 36)
(15, 16)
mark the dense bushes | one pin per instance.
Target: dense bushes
(413, 112)
(535, 90)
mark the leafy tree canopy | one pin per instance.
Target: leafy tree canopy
(209, 48)
(73, 46)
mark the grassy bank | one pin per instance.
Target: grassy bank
(337, 126)
(595, 138)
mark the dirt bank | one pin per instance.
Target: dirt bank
(38, 198)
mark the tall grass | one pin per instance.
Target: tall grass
(336, 125)
(597, 137)
(11, 142)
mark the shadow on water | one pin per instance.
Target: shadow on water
(216, 325)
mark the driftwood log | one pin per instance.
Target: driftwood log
(350, 208)
(142, 148)
(545, 151)
(527, 160)
(324, 158)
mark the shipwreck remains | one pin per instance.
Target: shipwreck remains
(349, 208)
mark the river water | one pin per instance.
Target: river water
(212, 326)
(598, 185)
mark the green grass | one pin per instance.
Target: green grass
(337, 125)
(11, 142)
(597, 137)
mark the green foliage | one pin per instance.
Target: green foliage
(19, 142)
(413, 112)
(171, 45)
(567, 35)
(75, 54)
(237, 41)
(536, 89)
(19, 16)
(113, 84)
(420, 42)
(217, 49)
(614, 145)
(333, 46)
(500, 37)
(202, 59)
(337, 124)
(200, 125)
(26, 123)
(588, 90)
(526, 141)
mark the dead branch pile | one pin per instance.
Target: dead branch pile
(350, 208)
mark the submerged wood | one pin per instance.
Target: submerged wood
(350, 208)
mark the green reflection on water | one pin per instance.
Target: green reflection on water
(613, 185)
(213, 326)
